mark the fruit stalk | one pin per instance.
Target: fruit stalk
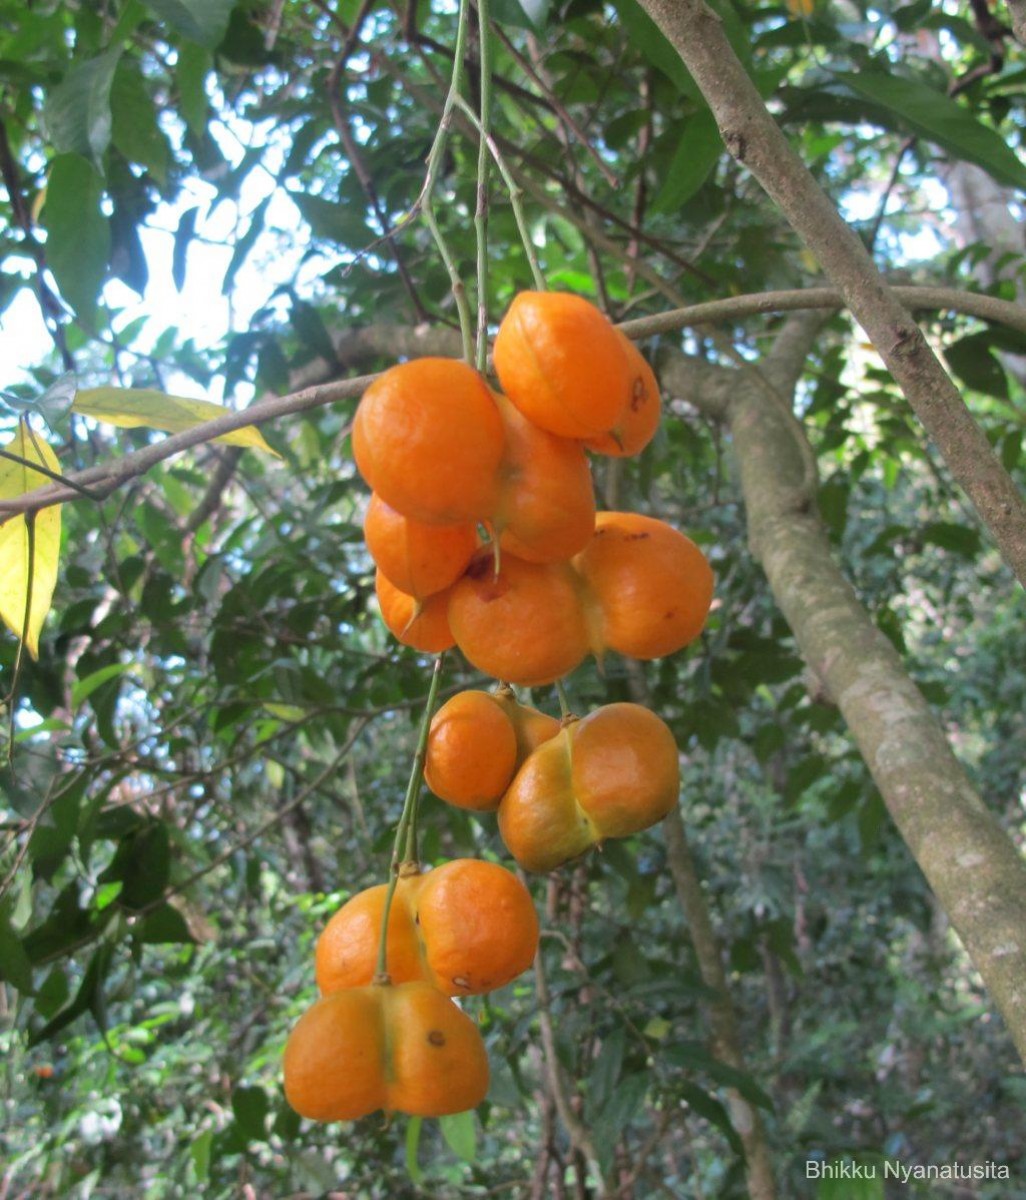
(405, 845)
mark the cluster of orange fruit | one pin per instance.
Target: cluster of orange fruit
(446, 456)
(559, 787)
(484, 530)
(399, 1043)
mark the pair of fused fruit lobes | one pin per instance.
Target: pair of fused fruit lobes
(640, 587)
(465, 928)
(398, 1047)
(559, 788)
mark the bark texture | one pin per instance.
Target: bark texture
(754, 139)
(970, 863)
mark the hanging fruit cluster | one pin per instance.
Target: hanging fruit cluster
(483, 527)
(396, 1041)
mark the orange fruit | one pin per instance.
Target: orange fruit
(651, 586)
(611, 774)
(476, 743)
(467, 927)
(398, 1047)
(546, 504)
(421, 624)
(640, 418)
(419, 559)
(526, 626)
(562, 363)
(428, 439)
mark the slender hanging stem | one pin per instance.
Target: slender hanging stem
(407, 824)
(564, 700)
(483, 165)
(516, 195)
(426, 199)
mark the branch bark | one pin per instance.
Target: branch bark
(400, 341)
(754, 139)
(969, 862)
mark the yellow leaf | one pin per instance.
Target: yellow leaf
(16, 480)
(128, 408)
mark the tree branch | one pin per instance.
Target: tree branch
(754, 139)
(397, 341)
(969, 862)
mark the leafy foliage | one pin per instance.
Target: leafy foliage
(210, 752)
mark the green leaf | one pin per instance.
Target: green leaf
(135, 130)
(78, 111)
(84, 688)
(164, 926)
(521, 14)
(199, 1152)
(972, 360)
(191, 72)
(713, 1111)
(250, 1107)
(106, 894)
(15, 967)
(413, 1131)
(650, 40)
(77, 232)
(937, 117)
(130, 408)
(460, 1133)
(959, 539)
(697, 153)
(849, 1187)
(201, 21)
(142, 862)
(88, 998)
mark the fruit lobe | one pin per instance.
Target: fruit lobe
(476, 743)
(466, 927)
(562, 364)
(639, 419)
(525, 627)
(651, 585)
(546, 505)
(424, 625)
(428, 439)
(418, 559)
(611, 774)
(402, 1048)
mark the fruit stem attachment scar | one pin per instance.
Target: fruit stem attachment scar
(404, 849)
(564, 703)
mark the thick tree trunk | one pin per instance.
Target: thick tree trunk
(970, 863)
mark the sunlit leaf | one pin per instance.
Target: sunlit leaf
(15, 550)
(132, 408)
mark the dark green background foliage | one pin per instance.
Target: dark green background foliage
(188, 814)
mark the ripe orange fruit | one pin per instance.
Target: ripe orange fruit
(467, 927)
(611, 774)
(546, 505)
(526, 626)
(404, 1048)
(652, 585)
(428, 439)
(421, 624)
(562, 364)
(640, 418)
(476, 743)
(418, 559)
